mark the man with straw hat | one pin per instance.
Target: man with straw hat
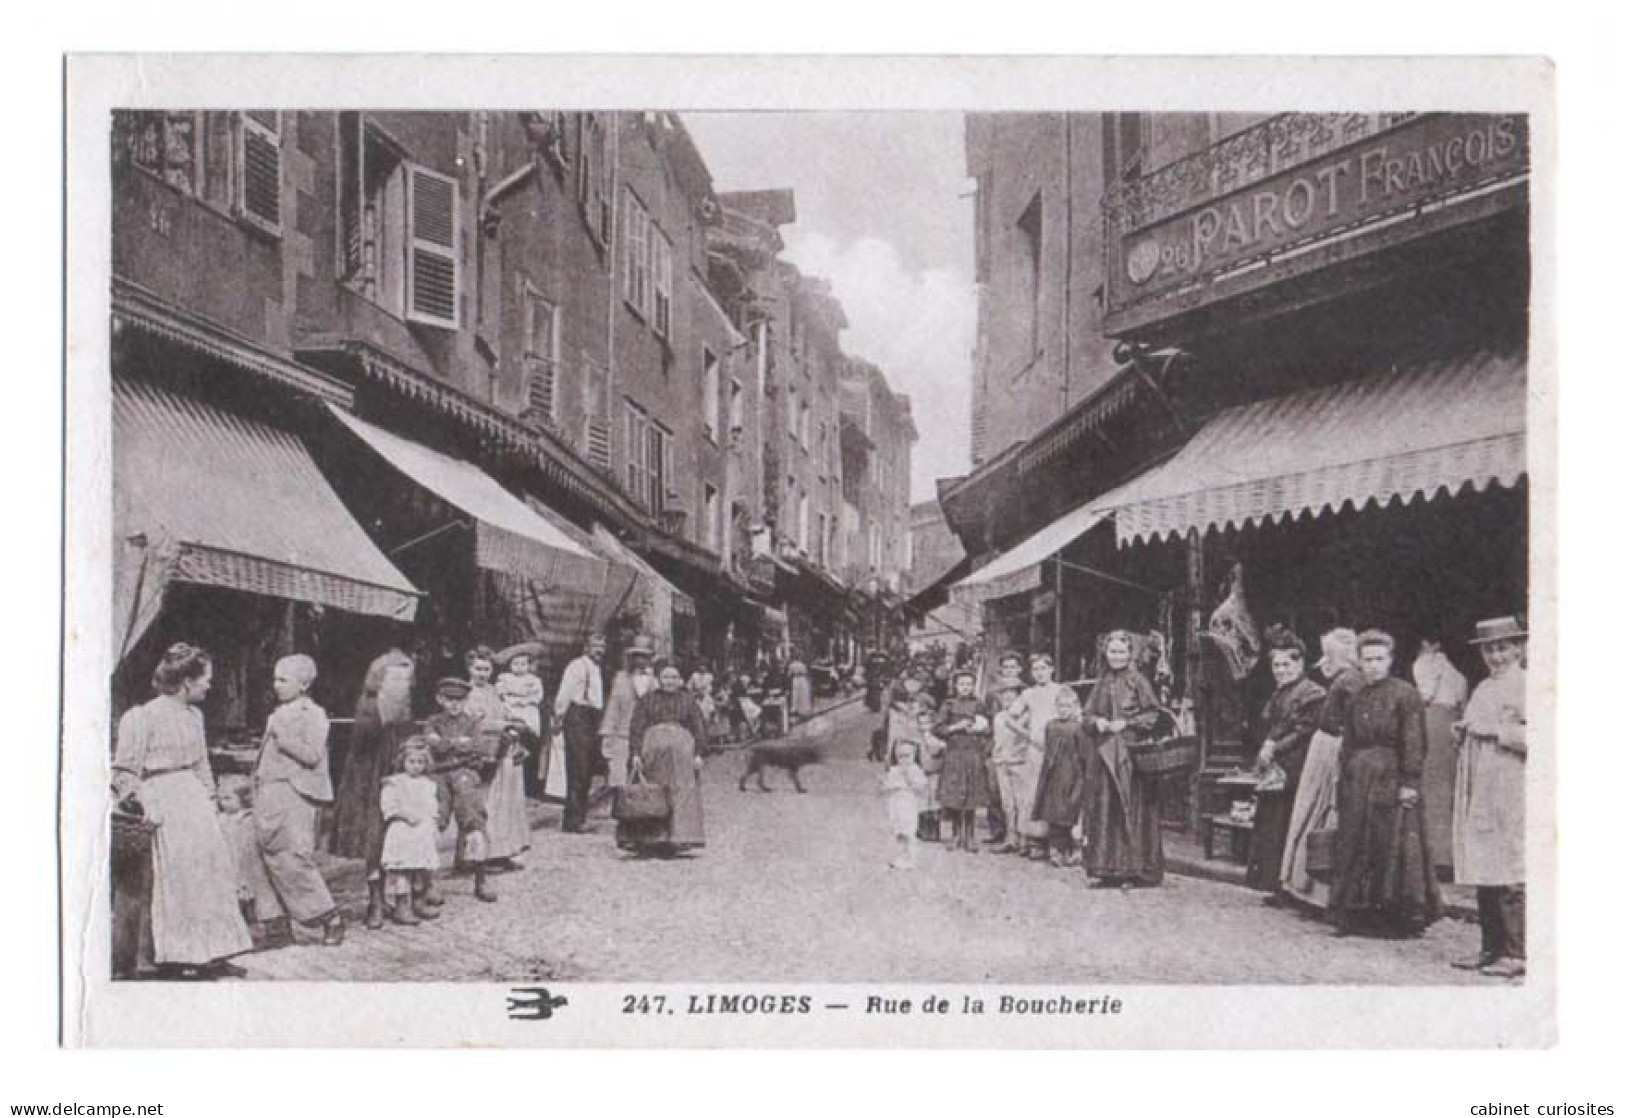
(634, 680)
(1488, 825)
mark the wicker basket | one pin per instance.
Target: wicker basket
(1171, 755)
(1318, 859)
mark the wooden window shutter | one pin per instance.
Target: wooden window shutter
(259, 163)
(433, 290)
(352, 193)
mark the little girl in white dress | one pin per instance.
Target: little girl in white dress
(905, 789)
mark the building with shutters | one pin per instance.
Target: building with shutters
(1315, 416)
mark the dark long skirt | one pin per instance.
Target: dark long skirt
(1270, 827)
(963, 786)
(1122, 819)
(1382, 873)
(668, 760)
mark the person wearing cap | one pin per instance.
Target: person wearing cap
(579, 707)
(631, 683)
(1491, 754)
(454, 739)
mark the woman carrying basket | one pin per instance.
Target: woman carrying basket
(1122, 820)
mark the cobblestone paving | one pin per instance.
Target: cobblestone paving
(797, 888)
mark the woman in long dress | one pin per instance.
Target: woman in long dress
(1123, 819)
(667, 735)
(1290, 718)
(1314, 808)
(507, 828)
(161, 770)
(801, 703)
(1382, 874)
(383, 723)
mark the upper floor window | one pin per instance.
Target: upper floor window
(711, 392)
(650, 473)
(592, 175)
(646, 265)
(541, 356)
(399, 227)
(736, 409)
(1030, 226)
(230, 160)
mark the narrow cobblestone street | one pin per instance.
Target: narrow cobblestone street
(797, 888)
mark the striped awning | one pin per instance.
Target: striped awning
(1434, 428)
(1020, 569)
(209, 497)
(510, 537)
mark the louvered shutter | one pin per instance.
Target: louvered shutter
(259, 165)
(351, 194)
(433, 289)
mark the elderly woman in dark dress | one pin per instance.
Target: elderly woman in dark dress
(1382, 875)
(1123, 824)
(383, 722)
(667, 737)
(1290, 719)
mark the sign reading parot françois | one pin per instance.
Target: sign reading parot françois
(1426, 158)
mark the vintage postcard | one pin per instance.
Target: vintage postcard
(804, 552)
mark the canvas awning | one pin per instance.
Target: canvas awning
(1412, 432)
(209, 497)
(510, 536)
(1020, 569)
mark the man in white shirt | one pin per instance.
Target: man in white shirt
(578, 706)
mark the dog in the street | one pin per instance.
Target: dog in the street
(788, 756)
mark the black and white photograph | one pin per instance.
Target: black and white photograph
(656, 563)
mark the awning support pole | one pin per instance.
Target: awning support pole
(427, 536)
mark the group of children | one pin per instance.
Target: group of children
(1017, 754)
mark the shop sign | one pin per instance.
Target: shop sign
(1425, 158)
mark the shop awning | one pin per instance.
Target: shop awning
(1413, 432)
(1020, 569)
(651, 583)
(510, 536)
(205, 496)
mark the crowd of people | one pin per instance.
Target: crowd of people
(1058, 773)
(235, 860)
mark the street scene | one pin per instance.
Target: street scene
(813, 547)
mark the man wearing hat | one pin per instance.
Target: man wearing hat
(579, 706)
(631, 683)
(454, 738)
(1487, 836)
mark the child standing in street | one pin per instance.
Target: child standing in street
(930, 749)
(411, 817)
(904, 787)
(962, 788)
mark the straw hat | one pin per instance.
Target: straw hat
(1500, 629)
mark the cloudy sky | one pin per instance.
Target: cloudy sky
(883, 210)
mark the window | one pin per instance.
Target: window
(398, 228)
(794, 411)
(660, 257)
(874, 545)
(649, 468)
(592, 175)
(259, 164)
(712, 511)
(635, 286)
(805, 433)
(736, 410)
(822, 542)
(803, 508)
(1031, 227)
(541, 357)
(595, 413)
(711, 392)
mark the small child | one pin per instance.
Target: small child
(411, 817)
(930, 750)
(521, 692)
(905, 789)
(261, 909)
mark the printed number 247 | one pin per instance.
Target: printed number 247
(643, 1003)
